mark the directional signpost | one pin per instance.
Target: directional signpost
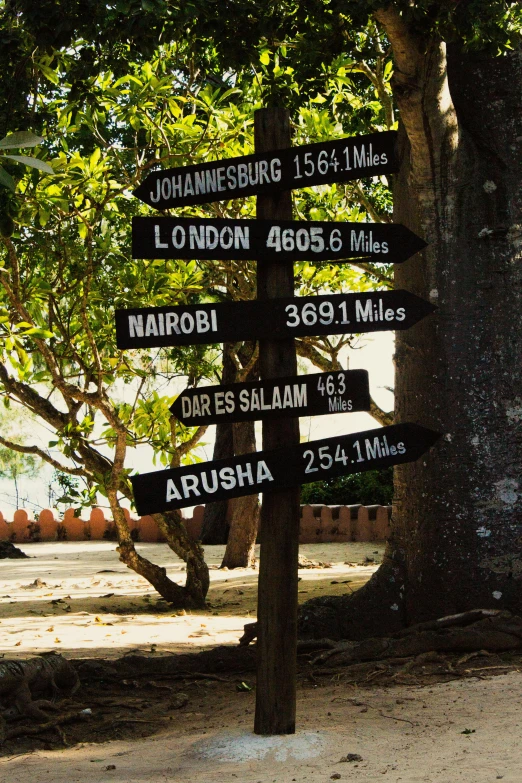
(264, 471)
(371, 311)
(306, 395)
(271, 240)
(269, 172)
(274, 319)
(276, 672)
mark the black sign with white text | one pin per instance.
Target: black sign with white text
(343, 391)
(268, 240)
(372, 311)
(249, 474)
(321, 163)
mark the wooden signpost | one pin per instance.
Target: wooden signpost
(304, 395)
(276, 674)
(279, 318)
(271, 171)
(271, 240)
(274, 319)
(265, 471)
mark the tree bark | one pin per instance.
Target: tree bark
(456, 524)
(154, 574)
(215, 524)
(244, 511)
(456, 512)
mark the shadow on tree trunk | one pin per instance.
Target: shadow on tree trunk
(374, 610)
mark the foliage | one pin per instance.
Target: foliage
(15, 141)
(67, 490)
(8, 206)
(19, 464)
(375, 487)
(67, 264)
(14, 465)
(118, 90)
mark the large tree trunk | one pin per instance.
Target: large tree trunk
(457, 525)
(244, 511)
(457, 517)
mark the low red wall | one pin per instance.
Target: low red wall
(319, 524)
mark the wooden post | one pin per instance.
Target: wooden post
(277, 596)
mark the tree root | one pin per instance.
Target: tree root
(39, 728)
(478, 629)
(220, 660)
(471, 634)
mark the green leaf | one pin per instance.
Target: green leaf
(6, 180)
(20, 139)
(43, 217)
(35, 331)
(34, 162)
(95, 157)
(264, 57)
(49, 73)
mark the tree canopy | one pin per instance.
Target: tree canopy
(115, 90)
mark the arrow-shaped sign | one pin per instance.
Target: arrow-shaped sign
(372, 311)
(304, 395)
(261, 471)
(297, 167)
(269, 240)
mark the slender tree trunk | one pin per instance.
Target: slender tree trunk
(215, 523)
(457, 525)
(244, 511)
(192, 595)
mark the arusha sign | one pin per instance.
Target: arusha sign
(249, 474)
(303, 395)
(373, 311)
(322, 163)
(268, 240)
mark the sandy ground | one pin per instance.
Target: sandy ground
(465, 731)
(91, 604)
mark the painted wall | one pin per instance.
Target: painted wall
(319, 524)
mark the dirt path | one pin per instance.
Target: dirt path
(88, 603)
(91, 606)
(458, 732)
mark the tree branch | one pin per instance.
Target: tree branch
(189, 444)
(43, 454)
(307, 351)
(377, 217)
(379, 415)
(32, 400)
(420, 85)
(369, 269)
